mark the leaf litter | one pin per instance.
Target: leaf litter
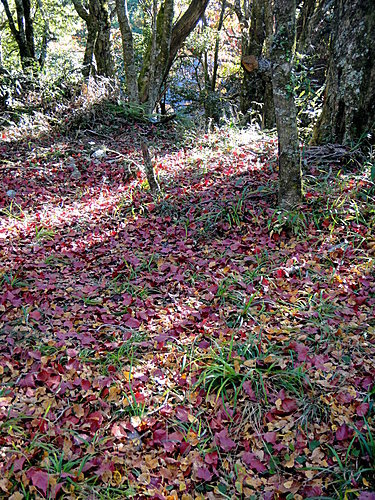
(199, 345)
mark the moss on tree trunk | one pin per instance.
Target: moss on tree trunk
(349, 104)
(96, 16)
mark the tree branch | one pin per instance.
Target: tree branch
(185, 25)
(81, 11)
(12, 26)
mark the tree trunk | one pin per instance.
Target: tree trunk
(349, 104)
(255, 20)
(128, 50)
(217, 45)
(91, 37)
(304, 22)
(184, 26)
(103, 48)
(98, 41)
(149, 169)
(88, 58)
(168, 43)
(282, 63)
(252, 87)
(156, 57)
(268, 112)
(45, 36)
(160, 52)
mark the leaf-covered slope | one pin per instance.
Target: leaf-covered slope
(198, 346)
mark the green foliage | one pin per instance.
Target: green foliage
(12, 279)
(130, 111)
(62, 21)
(13, 211)
(230, 365)
(43, 233)
(291, 221)
(308, 91)
(118, 356)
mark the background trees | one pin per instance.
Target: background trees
(21, 25)
(240, 64)
(166, 38)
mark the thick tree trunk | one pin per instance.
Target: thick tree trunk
(88, 58)
(98, 37)
(128, 50)
(256, 89)
(252, 88)
(103, 48)
(184, 26)
(268, 112)
(156, 57)
(304, 22)
(92, 30)
(282, 63)
(349, 105)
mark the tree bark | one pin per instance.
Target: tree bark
(268, 112)
(91, 37)
(252, 87)
(128, 50)
(160, 52)
(184, 26)
(45, 36)
(149, 169)
(155, 59)
(349, 102)
(217, 45)
(98, 42)
(282, 52)
(256, 30)
(103, 48)
(304, 22)
(88, 58)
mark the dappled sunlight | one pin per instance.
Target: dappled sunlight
(155, 325)
(52, 217)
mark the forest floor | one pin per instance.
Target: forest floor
(202, 345)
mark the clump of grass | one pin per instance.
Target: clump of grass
(289, 221)
(12, 279)
(13, 211)
(134, 408)
(229, 366)
(118, 356)
(44, 234)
